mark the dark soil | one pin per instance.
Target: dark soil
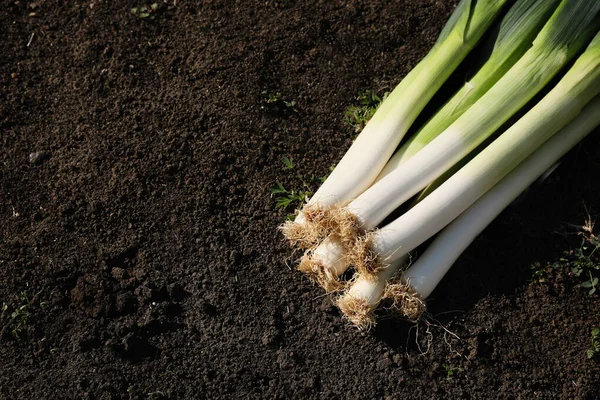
(139, 252)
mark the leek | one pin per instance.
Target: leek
(363, 296)
(508, 42)
(565, 34)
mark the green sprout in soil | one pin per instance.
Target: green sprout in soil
(452, 371)
(18, 319)
(274, 102)
(288, 198)
(357, 115)
(287, 163)
(583, 262)
(541, 273)
(145, 12)
(591, 284)
(594, 349)
(293, 199)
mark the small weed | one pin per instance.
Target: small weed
(287, 163)
(285, 198)
(452, 371)
(273, 102)
(171, 372)
(18, 319)
(357, 115)
(293, 199)
(591, 284)
(594, 349)
(541, 273)
(581, 262)
(146, 12)
(585, 261)
(322, 179)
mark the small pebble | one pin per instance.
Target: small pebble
(37, 157)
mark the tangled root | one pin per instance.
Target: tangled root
(321, 221)
(405, 299)
(366, 262)
(322, 275)
(303, 236)
(346, 226)
(318, 222)
(358, 311)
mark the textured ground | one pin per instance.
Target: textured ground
(139, 256)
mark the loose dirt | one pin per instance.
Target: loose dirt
(138, 236)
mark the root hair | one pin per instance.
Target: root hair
(366, 262)
(319, 222)
(358, 311)
(405, 300)
(320, 274)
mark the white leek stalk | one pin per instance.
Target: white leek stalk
(332, 255)
(364, 295)
(425, 274)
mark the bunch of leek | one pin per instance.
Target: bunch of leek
(532, 44)
(510, 40)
